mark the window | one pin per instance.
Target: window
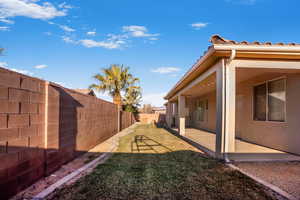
(276, 100)
(202, 106)
(260, 108)
(270, 101)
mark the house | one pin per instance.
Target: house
(147, 108)
(86, 91)
(154, 115)
(241, 101)
(159, 110)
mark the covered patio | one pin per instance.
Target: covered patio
(244, 151)
(200, 126)
(239, 104)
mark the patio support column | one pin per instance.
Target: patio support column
(169, 114)
(230, 108)
(220, 100)
(226, 94)
(175, 114)
(181, 114)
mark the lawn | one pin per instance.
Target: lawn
(151, 163)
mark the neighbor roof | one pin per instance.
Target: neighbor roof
(222, 48)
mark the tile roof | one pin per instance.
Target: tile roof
(218, 43)
(216, 39)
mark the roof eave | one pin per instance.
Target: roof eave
(211, 54)
(242, 51)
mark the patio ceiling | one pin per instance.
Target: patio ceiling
(204, 87)
(244, 74)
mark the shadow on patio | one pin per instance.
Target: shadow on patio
(244, 151)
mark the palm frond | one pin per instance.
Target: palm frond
(117, 79)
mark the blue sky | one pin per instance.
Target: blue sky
(69, 41)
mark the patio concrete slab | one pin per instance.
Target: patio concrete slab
(245, 151)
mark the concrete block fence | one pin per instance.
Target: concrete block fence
(44, 125)
(152, 118)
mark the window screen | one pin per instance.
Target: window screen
(276, 100)
(200, 110)
(260, 106)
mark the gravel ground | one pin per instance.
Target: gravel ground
(285, 175)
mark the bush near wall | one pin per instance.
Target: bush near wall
(44, 125)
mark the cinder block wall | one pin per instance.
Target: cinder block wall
(152, 118)
(22, 124)
(43, 125)
(126, 119)
(76, 123)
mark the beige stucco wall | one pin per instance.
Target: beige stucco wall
(283, 136)
(209, 122)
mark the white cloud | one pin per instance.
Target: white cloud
(91, 33)
(111, 42)
(26, 72)
(166, 70)
(63, 27)
(66, 28)
(199, 25)
(67, 39)
(3, 64)
(64, 5)
(7, 21)
(30, 8)
(138, 31)
(155, 99)
(4, 28)
(108, 44)
(22, 71)
(40, 66)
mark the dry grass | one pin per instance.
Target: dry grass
(151, 163)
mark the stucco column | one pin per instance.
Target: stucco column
(220, 99)
(168, 114)
(226, 96)
(230, 108)
(181, 114)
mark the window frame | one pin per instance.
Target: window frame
(284, 78)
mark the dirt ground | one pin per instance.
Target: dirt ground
(285, 175)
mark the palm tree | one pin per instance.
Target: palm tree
(114, 80)
(132, 99)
